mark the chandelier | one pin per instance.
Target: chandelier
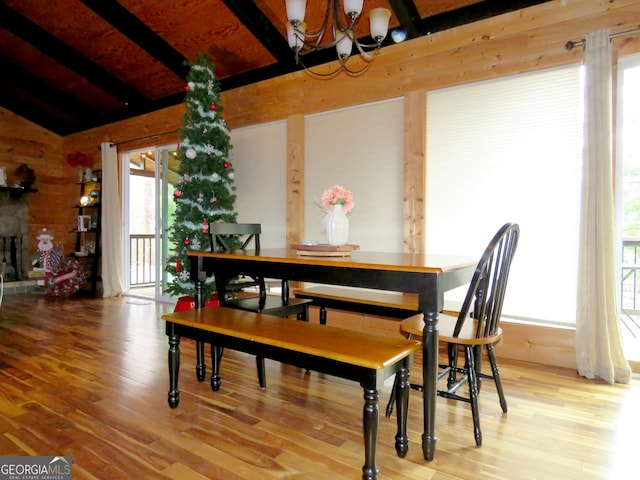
(342, 28)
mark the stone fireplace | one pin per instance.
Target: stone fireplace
(14, 236)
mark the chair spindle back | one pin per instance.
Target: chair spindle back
(486, 292)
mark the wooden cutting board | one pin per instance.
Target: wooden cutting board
(324, 250)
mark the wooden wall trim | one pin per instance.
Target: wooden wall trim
(295, 178)
(415, 123)
(542, 344)
(548, 345)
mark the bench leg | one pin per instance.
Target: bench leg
(323, 315)
(201, 369)
(370, 418)
(401, 385)
(304, 314)
(216, 356)
(174, 369)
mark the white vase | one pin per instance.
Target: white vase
(337, 226)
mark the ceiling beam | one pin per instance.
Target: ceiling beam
(13, 103)
(67, 56)
(473, 13)
(408, 16)
(44, 91)
(139, 33)
(258, 74)
(261, 28)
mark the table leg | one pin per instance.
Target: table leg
(402, 406)
(174, 369)
(201, 369)
(429, 380)
(198, 296)
(370, 418)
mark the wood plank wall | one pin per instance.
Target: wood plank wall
(24, 142)
(516, 42)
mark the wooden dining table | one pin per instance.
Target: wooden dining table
(429, 276)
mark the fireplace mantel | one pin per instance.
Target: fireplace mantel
(14, 231)
(16, 192)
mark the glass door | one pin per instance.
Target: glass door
(628, 154)
(167, 179)
(149, 177)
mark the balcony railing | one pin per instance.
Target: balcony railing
(630, 295)
(142, 254)
(631, 274)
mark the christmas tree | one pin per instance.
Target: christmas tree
(205, 191)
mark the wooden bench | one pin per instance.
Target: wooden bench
(368, 302)
(360, 356)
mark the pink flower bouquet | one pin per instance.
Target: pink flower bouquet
(337, 195)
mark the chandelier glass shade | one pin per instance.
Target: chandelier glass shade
(341, 23)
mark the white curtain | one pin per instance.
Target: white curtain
(111, 224)
(599, 351)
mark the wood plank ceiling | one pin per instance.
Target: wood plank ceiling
(71, 65)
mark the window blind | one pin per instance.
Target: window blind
(360, 148)
(259, 158)
(510, 149)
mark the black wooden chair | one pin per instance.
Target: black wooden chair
(234, 236)
(476, 326)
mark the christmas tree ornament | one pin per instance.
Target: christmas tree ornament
(178, 265)
(205, 227)
(226, 164)
(177, 193)
(213, 200)
(213, 106)
(190, 153)
(186, 241)
(200, 198)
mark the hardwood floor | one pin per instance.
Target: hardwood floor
(88, 378)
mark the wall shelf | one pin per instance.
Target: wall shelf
(90, 261)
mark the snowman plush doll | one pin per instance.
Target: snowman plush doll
(48, 255)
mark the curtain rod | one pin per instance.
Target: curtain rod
(149, 137)
(570, 44)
